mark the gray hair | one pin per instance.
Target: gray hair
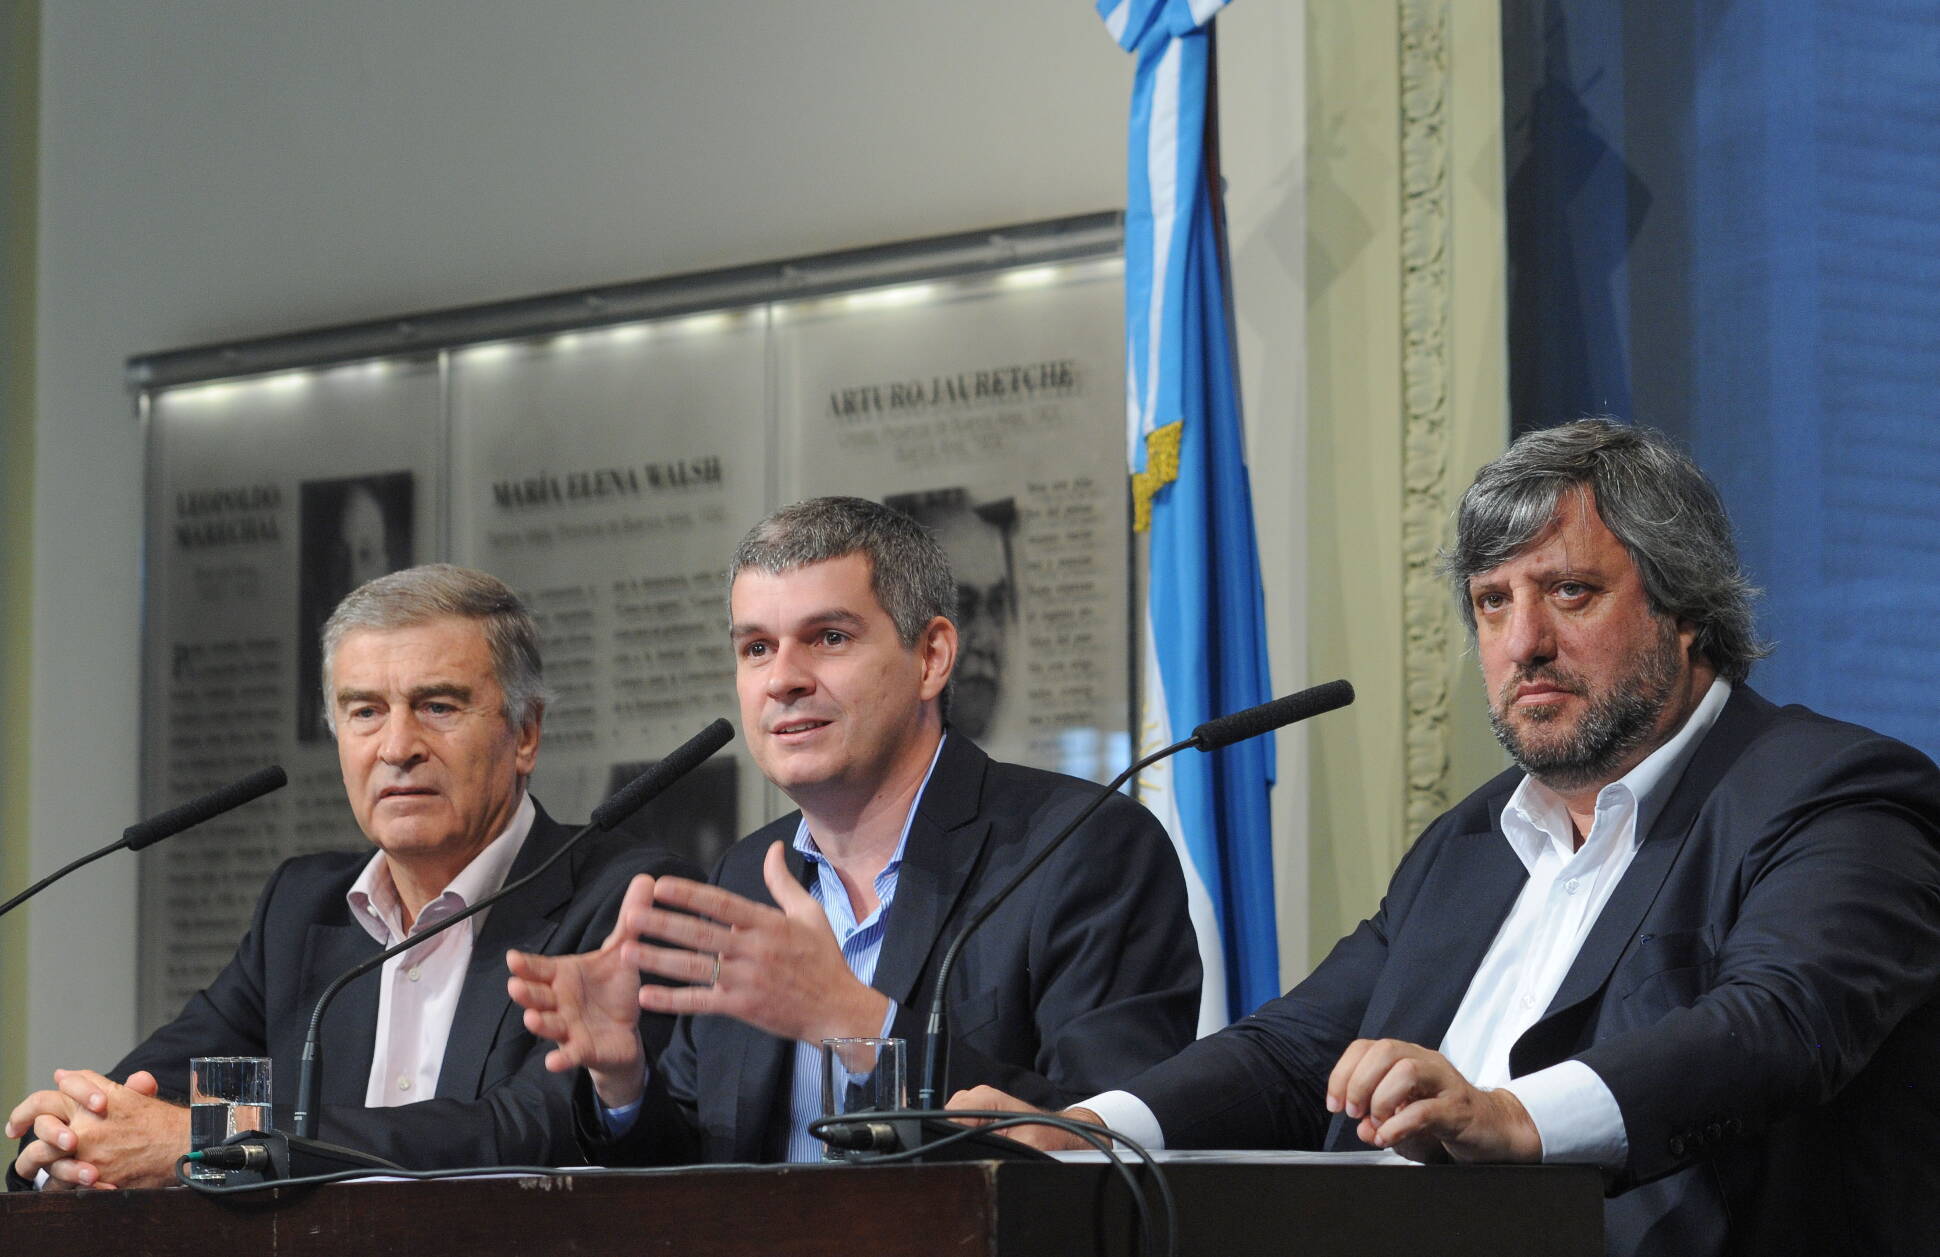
(1651, 497)
(908, 571)
(435, 591)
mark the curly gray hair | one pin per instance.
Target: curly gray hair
(1649, 494)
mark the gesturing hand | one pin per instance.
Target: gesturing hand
(776, 968)
(590, 1006)
(1413, 1101)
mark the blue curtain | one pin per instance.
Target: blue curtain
(1724, 221)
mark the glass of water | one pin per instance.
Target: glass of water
(860, 1076)
(227, 1095)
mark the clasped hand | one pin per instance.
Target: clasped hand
(777, 968)
(91, 1132)
(1403, 1096)
(1413, 1101)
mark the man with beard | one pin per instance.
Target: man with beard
(1692, 938)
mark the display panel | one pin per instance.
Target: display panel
(258, 524)
(606, 475)
(605, 471)
(990, 408)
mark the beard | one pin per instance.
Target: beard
(1618, 720)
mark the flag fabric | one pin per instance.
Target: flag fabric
(1204, 615)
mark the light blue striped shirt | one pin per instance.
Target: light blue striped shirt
(861, 947)
(861, 943)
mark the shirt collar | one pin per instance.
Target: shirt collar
(805, 841)
(374, 901)
(1535, 814)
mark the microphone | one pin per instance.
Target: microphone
(149, 832)
(630, 799)
(144, 834)
(1241, 725)
(1215, 733)
(685, 758)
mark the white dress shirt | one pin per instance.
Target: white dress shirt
(1573, 1111)
(418, 990)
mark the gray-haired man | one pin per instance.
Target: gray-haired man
(433, 689)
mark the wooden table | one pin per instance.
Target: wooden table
(973, 1209)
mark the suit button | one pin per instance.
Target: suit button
(1677, 1146)
(1733, 1126)
(1714, 1132)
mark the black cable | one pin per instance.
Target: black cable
(1101, 1138)
(209, 1188)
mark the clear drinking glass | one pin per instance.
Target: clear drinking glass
(860, 1076)
(227, 1095)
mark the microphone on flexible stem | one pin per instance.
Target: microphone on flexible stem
(1215, 733)
(143, 834)
(630, 799)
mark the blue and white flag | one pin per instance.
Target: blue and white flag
(1205, 652)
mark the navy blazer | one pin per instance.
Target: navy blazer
(495, 1103)
(1087, 974)
(1759, 994)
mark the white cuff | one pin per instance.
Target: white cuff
(1127, 1115)
(1575, 1115)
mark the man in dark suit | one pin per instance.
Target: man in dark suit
(831, 921)
(434, 691)
(1692, 938)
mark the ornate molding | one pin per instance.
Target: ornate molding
(1425, 371)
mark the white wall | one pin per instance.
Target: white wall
(225, 168)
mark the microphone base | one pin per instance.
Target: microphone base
(937, 1142)
(278, 1156)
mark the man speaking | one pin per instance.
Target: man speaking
(1692, 938)
(433, 690)
(831, 921)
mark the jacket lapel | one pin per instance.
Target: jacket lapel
(1460, 908)
(759, 1062)
(1657, 853)
(345, 1041)
(946, 845)
(526, 921)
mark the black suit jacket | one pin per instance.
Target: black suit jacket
(1759, 994)
(496, 1104)
(1088, 973)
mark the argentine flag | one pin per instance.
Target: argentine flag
(1204, 631)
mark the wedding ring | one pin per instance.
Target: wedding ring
(716, 979)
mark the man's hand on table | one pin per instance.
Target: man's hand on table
(91, 1132)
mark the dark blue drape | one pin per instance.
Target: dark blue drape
(1724, 221)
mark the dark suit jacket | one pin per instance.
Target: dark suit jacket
(1759, 994)
(496, 1104)
(1085, 975)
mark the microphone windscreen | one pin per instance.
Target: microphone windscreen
(151, 831)
(1241, 725)
(683, 760)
